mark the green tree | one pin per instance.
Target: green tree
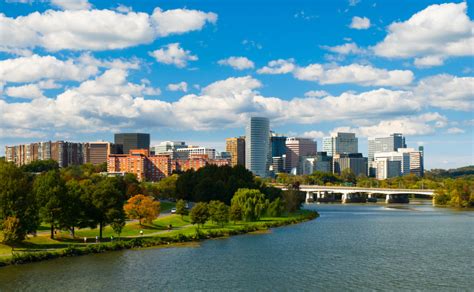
(17, 201)
(219, 212)
(40, 166)
(348, 176)
(74, 212)
(235, 213)
(181, 208)
(293, 199)
(166, 187)
(199, 214)
(251, 202)
(50, 191)
(276, 208)
(107, 202)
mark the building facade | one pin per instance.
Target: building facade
(97, 152)
(319, 162)
(128, 141)
(257, 145)
(65, 153)
(296, 148)
(353, 161)
(416, 160)
(385, 144)
(340, 143)
(236, 147)
(386, 168)
(184, 153)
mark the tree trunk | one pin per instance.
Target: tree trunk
(73, 232)
(52, 231)
(100, 230)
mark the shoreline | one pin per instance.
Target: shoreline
(258, 227)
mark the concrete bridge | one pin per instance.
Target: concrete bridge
(357, 194)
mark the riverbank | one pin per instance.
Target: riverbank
(41, 247)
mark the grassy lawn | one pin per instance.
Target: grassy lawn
(158, 228)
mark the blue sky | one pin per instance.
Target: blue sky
(81, 70)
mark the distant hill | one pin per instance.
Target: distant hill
(451, 173)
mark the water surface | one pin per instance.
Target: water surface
(350, 247)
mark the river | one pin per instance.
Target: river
(350, 247)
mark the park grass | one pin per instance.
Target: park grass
(156, 234)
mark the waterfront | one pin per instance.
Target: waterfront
(363, 247)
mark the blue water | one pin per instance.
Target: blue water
(350, 247)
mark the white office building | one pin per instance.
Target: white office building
(184, 153)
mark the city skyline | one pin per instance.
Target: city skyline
(312, 69)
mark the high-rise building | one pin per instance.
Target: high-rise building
(354, 161)
(278, 145)
(130, 141)
(297, 147)
(97, 152)
(402, 157)
(319, 162)
(236, 148)
(386, 168)
(65, 153)
(385, 144)
(416, 160)
(257, 145)
(340, 143)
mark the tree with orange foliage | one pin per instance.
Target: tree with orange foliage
(142, 207)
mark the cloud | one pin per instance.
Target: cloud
(423, 124)
(109, 102)
(35, 68)
(353, 2)
(345, 49)
(29, 91)
(360, 22)
(447, 92)
(181, 86)
(279, 66)
(316, 93)
(96, 29)
(173, 54)
(71, 4)
(455, 130)
(313, 134)
(238, 63)
(431, 35)
(364, 75)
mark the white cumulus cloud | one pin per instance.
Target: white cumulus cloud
(173, 54)
(360, 22)
(431, 35)
(279, 66)
(71, 4)
(96, 29)
(181, 86)
(238, 63)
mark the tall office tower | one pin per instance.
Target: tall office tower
(297, 147)
(354, 161)
(416, 160)
(257, 145)
(97, 152)
(385, 144)
(236, 148)
(169, 146)
(278, 144)
(128, 141)
(340, 143)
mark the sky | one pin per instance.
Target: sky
(194, 71)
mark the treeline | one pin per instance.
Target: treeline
(80, 197)
(456, 192)
(69, 198)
